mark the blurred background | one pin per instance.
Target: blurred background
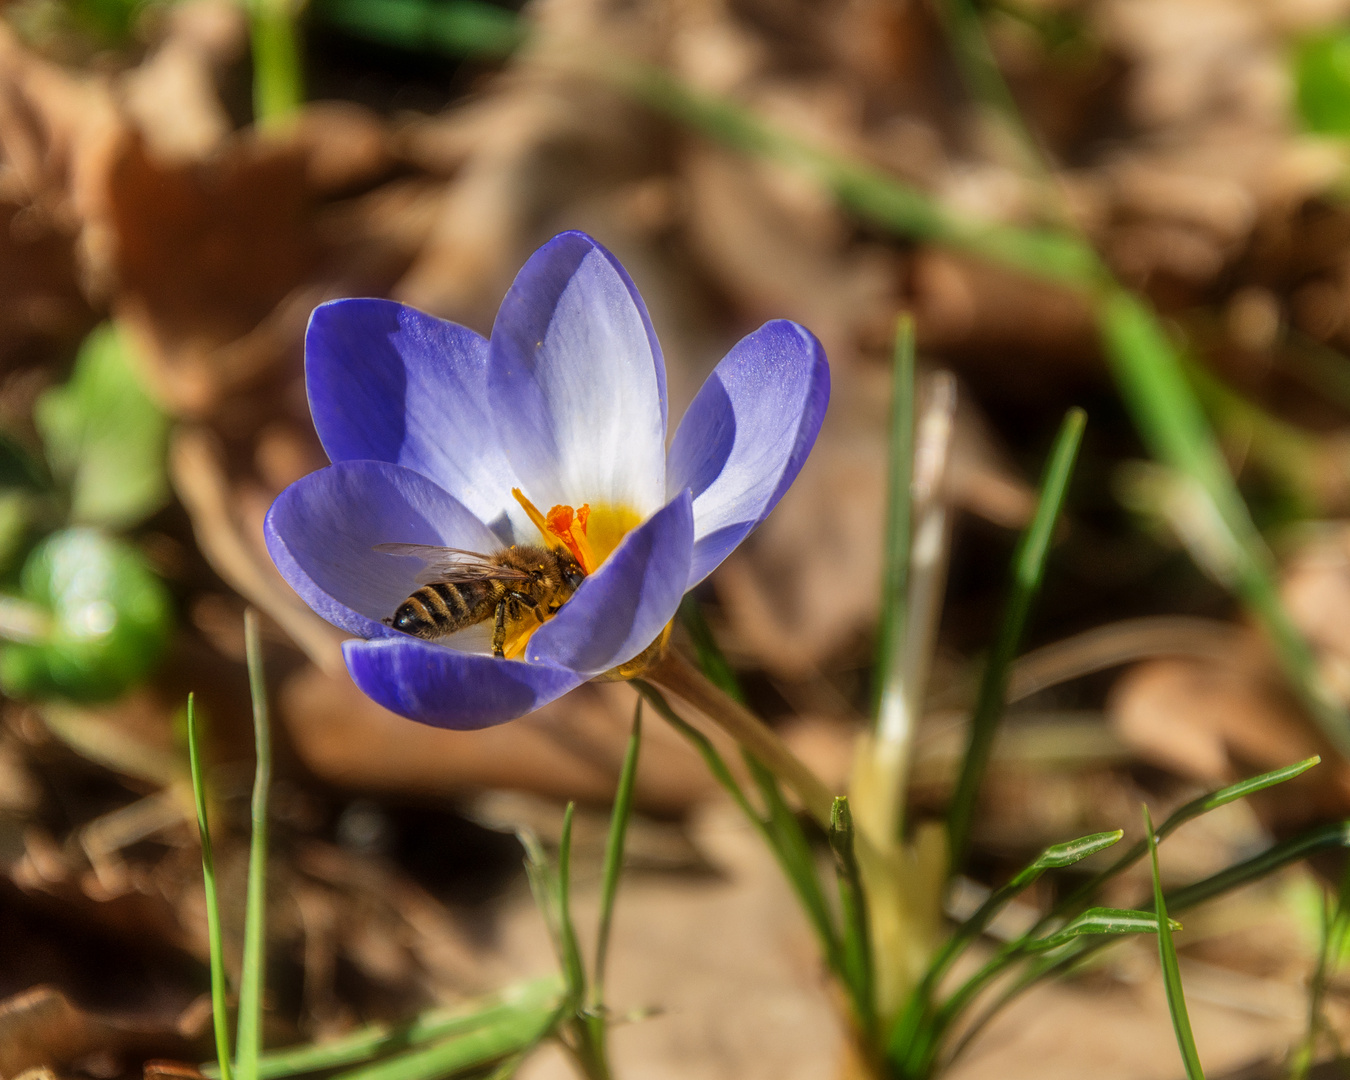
(181, 183)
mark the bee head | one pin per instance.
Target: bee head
(572, 574)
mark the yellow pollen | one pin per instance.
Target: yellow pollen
(518, 637)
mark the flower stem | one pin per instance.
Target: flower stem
(674, 673)
(589, 1046)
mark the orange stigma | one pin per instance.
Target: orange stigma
(563, 527)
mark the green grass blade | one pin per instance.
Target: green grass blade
(858, 971)
(674, 673)
(1028, 570)
(435, 1025)
(249, 1044)
(1101, 920)
(869, 192)
(1150, 373)
(1335, 925)
(1058, 856)
(544, 889)
(553, 895)
(219, 990)
(1095, 922)
(701, 743)
(982, 76)
(1013, 951)
(1205, 803)
(798, 862)
(1055, 857)
(1286, 453)
(278, 78)
(1274, 858)
(574, 972)
(456, 27)
(1313, 842)
(782, 830)
(509, 1067)
(1167, 952)
(1193, 809)
(913, 1035)
(802, 878)
(888, 694)
(587, 1026)
(711, 660)
(614, 844)
(468, 1052)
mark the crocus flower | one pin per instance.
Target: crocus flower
(430, 428)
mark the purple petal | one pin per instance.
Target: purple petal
(439, 686)
(389, 383)
(621, 608)
(322, 530)
(576, 381)
(746, 435)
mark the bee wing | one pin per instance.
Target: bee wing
(453, 565)
(431, 554)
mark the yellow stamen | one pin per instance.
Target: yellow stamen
(588, 534)
(563, 528)
(532, 511)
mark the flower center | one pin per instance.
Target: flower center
(588, 533)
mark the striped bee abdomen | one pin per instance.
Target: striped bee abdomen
(442, 608)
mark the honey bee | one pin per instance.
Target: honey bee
(461, 589)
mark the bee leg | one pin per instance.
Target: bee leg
(499, 632)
